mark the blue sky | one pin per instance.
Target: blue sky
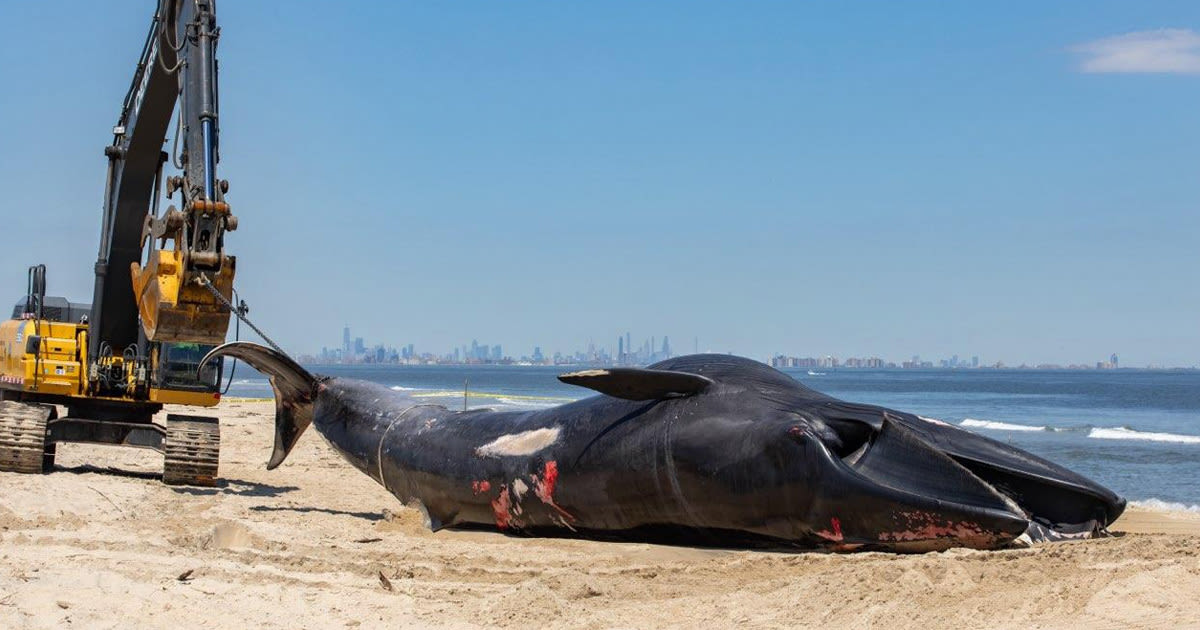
(1017, 181)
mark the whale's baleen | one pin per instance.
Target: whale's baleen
(701, 449)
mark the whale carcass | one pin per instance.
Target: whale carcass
(708, 449)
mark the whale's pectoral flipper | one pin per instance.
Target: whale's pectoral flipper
(294, 391)
(639, 384)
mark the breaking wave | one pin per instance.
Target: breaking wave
(1158, 505)
(401, 388)
(1000, 426)
(483, 400)
(1099, 433)
(527, 403)
(1122, 433)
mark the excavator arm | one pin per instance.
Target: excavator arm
(165, 260)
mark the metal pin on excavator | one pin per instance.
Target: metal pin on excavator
(162, 282)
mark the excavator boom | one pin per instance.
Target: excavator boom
(184, 247)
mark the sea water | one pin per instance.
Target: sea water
(1135, 431)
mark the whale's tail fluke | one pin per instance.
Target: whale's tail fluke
(294, 389)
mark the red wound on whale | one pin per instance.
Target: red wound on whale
(836, 534)
(544, 487)
(480, 487)
(500, 507)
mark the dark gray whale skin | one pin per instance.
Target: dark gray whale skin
(716, 450)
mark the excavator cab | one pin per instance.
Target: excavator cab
(178, 365)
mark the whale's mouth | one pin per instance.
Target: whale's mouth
(905, 457)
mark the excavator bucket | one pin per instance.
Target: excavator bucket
(175, 306)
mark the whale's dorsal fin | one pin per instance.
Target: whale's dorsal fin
(639, 384)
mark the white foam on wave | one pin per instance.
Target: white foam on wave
(998, 426)
(401, 388)
(1121, 433)
(530, 404)
(1158, 505)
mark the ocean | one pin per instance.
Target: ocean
(1135, 431)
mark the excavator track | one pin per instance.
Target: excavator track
(192, 447)
(23, 447)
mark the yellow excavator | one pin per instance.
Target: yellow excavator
(163, 281)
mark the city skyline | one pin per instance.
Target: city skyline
(356, 350)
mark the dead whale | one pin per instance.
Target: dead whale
(709, 449)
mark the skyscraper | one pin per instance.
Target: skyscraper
(620, 350)
(346, 341)
(666, 348)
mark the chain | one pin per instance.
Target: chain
(208, 284)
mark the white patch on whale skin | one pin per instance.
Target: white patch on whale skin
(519, 489)
(523, 443)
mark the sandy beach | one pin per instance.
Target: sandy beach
(101, 543)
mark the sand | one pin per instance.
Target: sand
(101, 543)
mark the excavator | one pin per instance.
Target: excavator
(163, 281)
